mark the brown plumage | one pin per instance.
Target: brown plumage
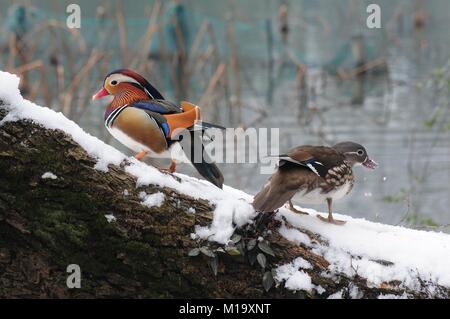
(312, 174)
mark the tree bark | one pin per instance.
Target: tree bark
(48, 224)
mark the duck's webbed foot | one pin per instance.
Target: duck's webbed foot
(140, 155)
(330, 218)
(295, 210)
(171, 169)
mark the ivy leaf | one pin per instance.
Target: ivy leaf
(252, 258)
(233, 251)
(214, 263)
(274, 273)
(194, 252)
(207, 252)
(267, 280)
(241, 247)
(265, 248)
(251, 244)
(236, 238)
(262, 260)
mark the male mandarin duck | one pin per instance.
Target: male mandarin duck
(141, 119)
(313, 174)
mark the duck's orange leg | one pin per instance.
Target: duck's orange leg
(172, 168)
(140, 155)
(330, 218)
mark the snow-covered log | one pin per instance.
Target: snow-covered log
(68, 198)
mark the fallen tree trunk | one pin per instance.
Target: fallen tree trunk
(47, 224)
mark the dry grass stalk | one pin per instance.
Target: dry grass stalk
(213, 83)
(27, 67)
(146, 39)
(92, 61)
(123, 37)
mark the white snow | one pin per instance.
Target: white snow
(49, 175)
(152, 200)
(232, 206)
(359, 246)
(294, 235)
(299, 280)
(364, 247)
(110, 218)
(293, 275)
(336, 295)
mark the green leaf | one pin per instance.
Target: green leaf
(236, 238)
(274, 273)
(267, 280)
(194, 252)
(251, 244)
(241, 247)
(207, 252)
(233, 251)
(262, 260)
(265, 248)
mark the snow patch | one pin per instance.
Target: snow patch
(378, 252)
(294, 235)
(110, 218)
(336, 295)
(226, 215)
(152, 200)
(49, 175)
(293, 275)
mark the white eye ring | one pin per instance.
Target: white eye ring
(360, 152)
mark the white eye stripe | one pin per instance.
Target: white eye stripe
(120, 78)
(124, 78)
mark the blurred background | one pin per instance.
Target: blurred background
(309, 67)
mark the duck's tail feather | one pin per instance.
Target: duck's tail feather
(200, 159)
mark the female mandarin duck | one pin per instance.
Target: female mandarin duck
(313, 174)
(140, 118)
